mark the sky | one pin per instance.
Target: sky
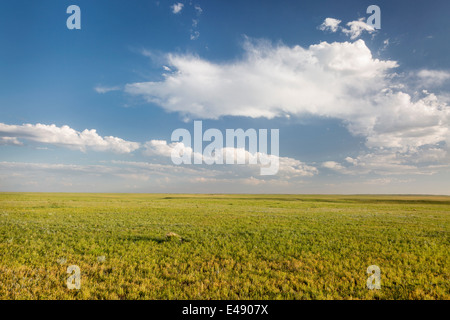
(358, 109)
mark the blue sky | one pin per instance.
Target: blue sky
(359, 110)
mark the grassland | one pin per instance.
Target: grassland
(231, 247)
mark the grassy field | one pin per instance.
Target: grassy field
(230, 246)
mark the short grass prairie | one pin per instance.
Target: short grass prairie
(227, 246)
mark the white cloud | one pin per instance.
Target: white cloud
(81, 178)
(161, 148)
(145, 177)
(102, 89)
(269, 81)
(433, 77)
(356, 28)
(387, 181)
(177, 7)
(198, 9)
(10, 141)
(119, 176)
(404, 123)
(194, 35)
(385, 162)
(330, 24)
(340, 80)
(288, 167)
(166, 169)
(381, 164)
(66, 137)
(291, 168)
(333, 165)
(89, 139)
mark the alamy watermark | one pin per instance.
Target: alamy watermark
(74, 20)
(375, 19)
(188, 150)
(74, 280)
(374, 281)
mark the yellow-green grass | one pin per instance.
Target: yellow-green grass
(229, 246)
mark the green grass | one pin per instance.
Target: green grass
(229, 246)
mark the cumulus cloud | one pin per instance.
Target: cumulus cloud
(89, 139)
(330, 24)
(177, 7)
(162, 148)
(66, 137)
(269, 81)
(341, 80)
(288, 167)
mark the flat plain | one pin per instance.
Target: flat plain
(224, 247)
